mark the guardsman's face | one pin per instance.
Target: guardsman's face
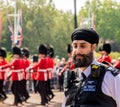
(1, 58)
(16, 56)
(82, 52)
(104, 53)
(41, 56)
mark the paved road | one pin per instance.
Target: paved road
(34, 100)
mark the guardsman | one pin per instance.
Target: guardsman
(41, 75)
(2, 73)
(69, 63)
(15, 74)
(34, 71)
(25, 64)
(117, 64)
(50, 71)
(67, 70)
(106, 58)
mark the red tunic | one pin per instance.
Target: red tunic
(68, 64)
(25, 64)
(34, 72)
(50, 67)
(2, 72)
(41, 69)
(106, 58)
(99, 59)
(117, 64)
(16, 66)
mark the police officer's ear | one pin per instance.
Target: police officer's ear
(94, 46)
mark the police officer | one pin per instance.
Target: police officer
(97, 85)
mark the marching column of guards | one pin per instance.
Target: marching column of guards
(19, 69)
(40, 70)
(41, 76)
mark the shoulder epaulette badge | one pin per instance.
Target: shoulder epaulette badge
(114, 71)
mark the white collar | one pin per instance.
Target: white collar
(88, 69)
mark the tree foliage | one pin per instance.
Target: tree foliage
(106, 19)
(43, 23)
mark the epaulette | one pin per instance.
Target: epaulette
(113, 70)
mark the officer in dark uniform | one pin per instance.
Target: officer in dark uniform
(91, 84)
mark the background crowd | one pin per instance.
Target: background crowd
(41, 72)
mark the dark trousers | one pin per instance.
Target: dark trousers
(1, 89)
(61, 82)
(50, 92)
(34, 85)
(24, 89)
(16, 91)
(41, 88)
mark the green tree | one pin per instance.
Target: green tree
(42, 23)
(106, 18)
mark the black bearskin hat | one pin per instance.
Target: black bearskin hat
(69, 48)
(43, 49)
(25, 52)
(106, 47)
(35, 58)
(16, 50)
(3, 52)
(51, 51)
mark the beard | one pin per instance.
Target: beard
(85, 61)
